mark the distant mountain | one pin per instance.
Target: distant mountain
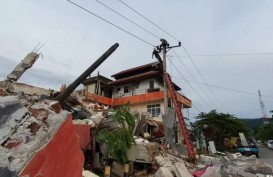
(252, 123)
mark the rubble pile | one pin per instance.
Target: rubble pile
(170, 165)
(27, 124)
(221, 166)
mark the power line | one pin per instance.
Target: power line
(194, 78)
(111, 23)
(147, 19)
(127, 19)
(191, 103)
(175, 39)
(228, 54)
(234, 90)
(191, 86)
(202, 76)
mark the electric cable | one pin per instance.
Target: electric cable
(202, 77)
(191, 86)
(127, 19)
(227, 54)
(175, 39)
(194, 79)
(219, 87)
(191, 103)
(110, 23)
(147, 19)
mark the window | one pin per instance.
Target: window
(154, 110)
(152, 84)
(136, 85)
(118, 89)
(126, 89)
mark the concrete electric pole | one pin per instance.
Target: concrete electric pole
(163, 47)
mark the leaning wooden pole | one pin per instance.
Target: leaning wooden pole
(62, 96)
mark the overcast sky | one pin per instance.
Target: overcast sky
(74, 39)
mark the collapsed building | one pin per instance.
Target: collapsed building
(142, 89)
(54, 134)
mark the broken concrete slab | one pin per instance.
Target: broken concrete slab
(87, 173)
(212, 171)
(163, 161)
(181, 170)
(11, 120)
(23, 135)
(117, 169)
(8, 105)
(163, 172)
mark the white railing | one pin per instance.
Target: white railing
(140, 91)
(135, 92)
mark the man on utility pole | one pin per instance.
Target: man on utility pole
(163, 47)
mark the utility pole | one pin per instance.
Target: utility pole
(164, 47)
(164, 51)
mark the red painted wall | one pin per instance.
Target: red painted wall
(61, 157)
(84, 134)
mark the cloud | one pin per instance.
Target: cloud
(75, 39)
(36, 77)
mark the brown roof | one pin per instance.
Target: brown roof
(94, 79)
(138, 77)
(137, 70)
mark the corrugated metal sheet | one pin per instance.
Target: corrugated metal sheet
(61, 157)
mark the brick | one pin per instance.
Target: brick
(34, 128)
(56, 107)
(39, 113)
(12, 144)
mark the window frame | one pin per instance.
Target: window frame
(154, 109)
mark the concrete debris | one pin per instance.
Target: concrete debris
(140, 140)
(117, 169)
(213, 171)
(163, 172)
(143, 152)
(235, 165)
(28, 123)
(84, 122)
(163, 161)
(181, 170)
(23, 133)
(5, 172)
(86, 173)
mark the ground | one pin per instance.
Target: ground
(266, 155)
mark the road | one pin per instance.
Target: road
(266, 155)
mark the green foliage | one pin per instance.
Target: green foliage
(222, 125)
(264, 132)
(120, 138)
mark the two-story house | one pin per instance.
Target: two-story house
(141, 87)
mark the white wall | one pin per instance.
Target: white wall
(143, 107)
(90, 88)
(142, 88)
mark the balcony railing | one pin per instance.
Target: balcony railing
(135, 92)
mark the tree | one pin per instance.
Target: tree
(118, 138)
(264, 132)
(220, 125)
